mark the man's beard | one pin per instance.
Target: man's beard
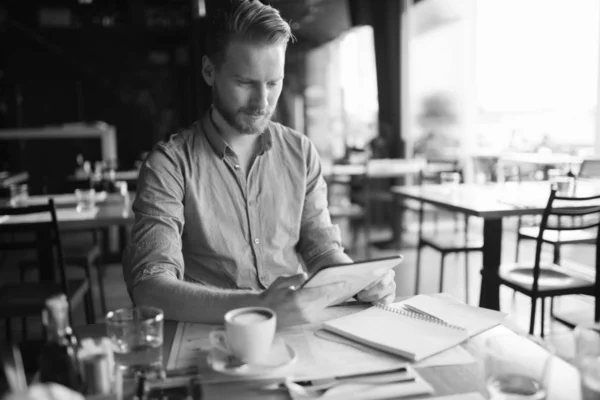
(240, 119)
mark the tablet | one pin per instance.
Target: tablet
(356, 276)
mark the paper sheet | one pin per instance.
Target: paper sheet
(462, 396)
(321, 354)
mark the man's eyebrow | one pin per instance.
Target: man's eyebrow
(245, 78)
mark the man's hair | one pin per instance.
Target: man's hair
(247, 20)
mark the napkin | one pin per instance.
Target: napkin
(361, 390)
(364, 391)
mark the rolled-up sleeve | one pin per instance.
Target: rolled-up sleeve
(318, 236)
(154, 248)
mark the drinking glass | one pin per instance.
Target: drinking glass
(450, 180)
(516, 367)
(136, 336)
(587, 359)
(19, 195)
(564, 185)
(86, 199)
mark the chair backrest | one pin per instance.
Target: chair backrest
(509, 173)
(392, 167)
(432, 173)
(34, 228)
(569, 214)
(590, 168)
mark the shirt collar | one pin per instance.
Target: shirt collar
(220, 146)
(217, 142)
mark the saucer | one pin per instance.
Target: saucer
(282, 355)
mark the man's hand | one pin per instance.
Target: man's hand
(382, 291)
(295, 306)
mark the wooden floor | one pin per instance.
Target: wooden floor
(518, 306)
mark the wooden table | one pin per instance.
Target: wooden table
(446, 380)
(491, 202)
(369, 172)
(129, 176)
(112, 212)
(540, 159)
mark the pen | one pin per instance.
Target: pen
(369, 374)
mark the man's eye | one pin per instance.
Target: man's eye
(272, 84)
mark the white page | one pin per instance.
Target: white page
(462, 396)
(453, 311)
(319, 356)
(397, 333)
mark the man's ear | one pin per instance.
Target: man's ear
(208, 70)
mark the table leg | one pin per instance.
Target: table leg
(492, 249)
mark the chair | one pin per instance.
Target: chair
(38, 231)
(544, 280)
(430, 174)
(555, 238)
(444, 244)
(342, 209)
(83, 258)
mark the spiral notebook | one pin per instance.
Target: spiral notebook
(409, 332)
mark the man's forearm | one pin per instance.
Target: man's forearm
(186, 301)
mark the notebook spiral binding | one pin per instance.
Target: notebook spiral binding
(422, 317)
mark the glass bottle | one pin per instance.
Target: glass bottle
(58, 357)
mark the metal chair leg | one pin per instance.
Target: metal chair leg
(556, 258)
(543, 316)
(100, 273)
(88, 297)
(467, 277)
(418, 270)
(442, 272)
(532, 316)
(89, 308)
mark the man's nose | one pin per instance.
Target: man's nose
(261, 97)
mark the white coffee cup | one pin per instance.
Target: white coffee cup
(248, 334)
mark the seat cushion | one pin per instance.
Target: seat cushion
(415, 205)
(27, 299)
(552, 277)
(562, 237)
(454, 243)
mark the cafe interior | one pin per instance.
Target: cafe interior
(463, 135)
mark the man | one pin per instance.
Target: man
(230, 209)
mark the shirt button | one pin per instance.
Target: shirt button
(251, 203)
(257, 241)
(236, 166)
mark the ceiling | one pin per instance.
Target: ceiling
(315, 22)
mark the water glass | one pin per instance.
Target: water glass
(564, 185)
(450, 181)
(449, 178)
(516, 367)
(587, 359)
(86, 199)
(136, 336)
(19, 195)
